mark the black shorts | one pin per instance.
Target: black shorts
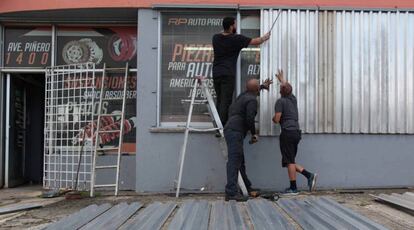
(288, 141)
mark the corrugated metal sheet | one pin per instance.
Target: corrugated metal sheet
(352, 71)
(405, 201)
(264, 216)
(324, 213)
(191, 215)
(114, 217)
(19, 207)
(151, 218)
(310, 213)
(79, 219)
(227, 216)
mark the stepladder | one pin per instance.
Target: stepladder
(109, 126)
(200, 83)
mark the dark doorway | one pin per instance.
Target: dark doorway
(26, 122)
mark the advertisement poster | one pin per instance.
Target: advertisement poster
(27, 47)
(186, 53)
(113, 46)
(74, 96)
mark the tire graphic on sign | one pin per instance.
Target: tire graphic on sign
(84, 50)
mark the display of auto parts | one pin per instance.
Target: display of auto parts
(122, 46)
(81, 51)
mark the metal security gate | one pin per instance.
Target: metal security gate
(69, 123)
(351, 71)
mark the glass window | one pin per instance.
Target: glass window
(186, 53)
(250, 56)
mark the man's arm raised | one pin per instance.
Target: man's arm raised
(260, 40)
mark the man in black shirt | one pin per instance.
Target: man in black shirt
(241, 120)
(227, 46)
(286, 113)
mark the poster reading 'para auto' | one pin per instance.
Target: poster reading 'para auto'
(113, 46)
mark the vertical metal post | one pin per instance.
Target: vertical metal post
(7, 139)
(238, 70)
(53, 47)
(159, 72)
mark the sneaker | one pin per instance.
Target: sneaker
(312, 182)
(237, 197)
(290, 192)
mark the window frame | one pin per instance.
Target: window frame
(238, 13)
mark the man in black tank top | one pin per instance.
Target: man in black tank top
(227, 46)
(286, 114)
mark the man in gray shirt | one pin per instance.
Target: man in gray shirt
(286, 113)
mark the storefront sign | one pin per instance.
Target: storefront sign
(27, 47)
(113, 46)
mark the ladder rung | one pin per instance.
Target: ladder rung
(104, 185)
(110, 114)
(106, 166)
(109, 131)
(112, 69)
(203, 130)
(196, 101)
(106, 149)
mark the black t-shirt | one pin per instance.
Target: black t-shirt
(226, 50)
(288, 106)
(242, 113)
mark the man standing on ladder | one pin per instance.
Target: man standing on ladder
(227, 46)
(242, 115)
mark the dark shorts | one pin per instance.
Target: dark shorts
(288, 141)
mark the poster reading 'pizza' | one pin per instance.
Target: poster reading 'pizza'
(114, 46)
(27, 47)
(187, 53)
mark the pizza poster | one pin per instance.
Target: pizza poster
(114, 46)
(27, 47)
(187, 53)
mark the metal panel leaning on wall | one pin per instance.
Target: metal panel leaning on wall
(352, 71)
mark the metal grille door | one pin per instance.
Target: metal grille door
(69, 115)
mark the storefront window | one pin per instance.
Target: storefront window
(250, 56)
(27, 47)
(114, 46)
(186, 53)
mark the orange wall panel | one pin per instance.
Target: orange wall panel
(31, 5)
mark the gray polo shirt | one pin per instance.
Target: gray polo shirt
(288, 106)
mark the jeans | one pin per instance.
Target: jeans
(235, 162)
(224, 87)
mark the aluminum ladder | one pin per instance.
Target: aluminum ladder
(218, 126)
(97, 145)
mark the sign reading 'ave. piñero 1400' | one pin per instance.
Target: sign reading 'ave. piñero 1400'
(27, 47)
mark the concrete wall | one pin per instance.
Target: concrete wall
(343, 161)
